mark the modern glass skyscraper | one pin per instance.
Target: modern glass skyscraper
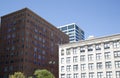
(73, 31)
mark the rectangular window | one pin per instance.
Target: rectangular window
(98, 56)
(68, 68)
(107, 45)
(75, 59)
(62, 52)
(90, 57)
(82, 49)
(64, 28)
(109, 74)
(62, 75)
(83, 67)
(74, 50)
(75, 67)
(68, 52)
(98, 46)
(99, 65)
(117, 64)
(90, 48)
(91, 75)
(100, 75)
(75, 75)
(116, 54)
(117, 74)
(13, 35)
(82, 58)
(91, 66)
(70, 26)
(68, 60)
(116, 44)
(108, 64)
(62, 60)
(83, 75)
(107, 55)
(69, 76)
(62, 68)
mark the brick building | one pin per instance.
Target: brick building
(28, 42)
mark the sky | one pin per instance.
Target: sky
(96, 17)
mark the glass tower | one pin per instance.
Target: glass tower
(73, 31)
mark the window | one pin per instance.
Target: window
(116, 54)
(99, 65)
(99, 74)
(117, 64)
(75, 67)
(108, 64)
(70, 26)
(75, 59)
(107, 45)
(90, 57)
(11, 68)
(107, 55)
(64, 28)
(82, 58)
(68, 68)
(62, 68)
(68, 52)
(83, 66)
(90, 48)
(75, 75)
(116, 44)
(98, 56)
(109, 74)
(62, 75)
(8, 36)
(74, 50)
(71, 31)
(117, 74)
(91, 75)
(91, 66)
(35, 49)
(68, 60)
(13, 48)
(5, 69)
(98, 46)
(9, 30)
(69, 76)
(62, 52)
(83, 75)
(13, 35)
(82, 49)
(62, 60)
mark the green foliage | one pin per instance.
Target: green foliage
(17, 75)
(30, 77)
(43, 74)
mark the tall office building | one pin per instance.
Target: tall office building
(73, 31)
(28, 42)
(92, 58)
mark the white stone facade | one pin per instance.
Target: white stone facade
(92, 58)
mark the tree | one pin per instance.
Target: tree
(17, 75)
(43, 74)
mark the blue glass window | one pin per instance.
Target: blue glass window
(71, 27)
(64, 28)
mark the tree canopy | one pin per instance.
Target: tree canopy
(43, 74)
(17, 75)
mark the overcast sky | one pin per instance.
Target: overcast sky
(95, 17)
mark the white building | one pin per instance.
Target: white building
(74, 32)
(92, 58)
